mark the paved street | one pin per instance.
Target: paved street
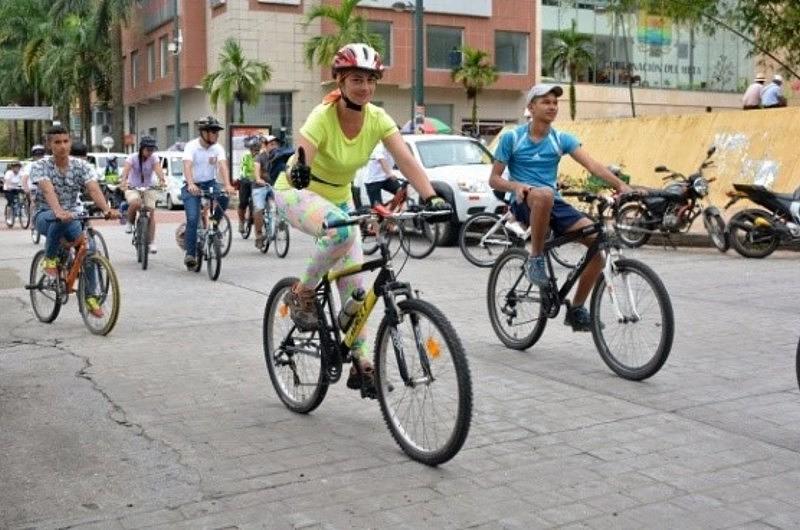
(171, 420)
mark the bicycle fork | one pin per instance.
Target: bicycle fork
(396, 336)
(610, 271)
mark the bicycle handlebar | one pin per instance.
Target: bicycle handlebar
(377, 215)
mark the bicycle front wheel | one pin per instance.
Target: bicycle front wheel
(516, 311)
(142, 229)
(428, 409)
(294, 357)
(369, 238)
(214, 257)
(226, 233)
(9, 214)
(45, 291)
(25, 215)
(35, 235)
(282, 238)
(483, 238)
(98, 294)
(419, 237)
(632, 320)
(99, 241)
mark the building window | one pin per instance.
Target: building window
(275, 110)
(441, 40)
(163, 46)
(171, 134)
(511, 52)
(384, 29)
(440, 111)
(151, 62)
(153, 131)
(134, 69)
(131, 120)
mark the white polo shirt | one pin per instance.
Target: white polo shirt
(204, 160)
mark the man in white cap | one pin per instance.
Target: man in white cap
(532, 152)
(772, 95)
(752, 96)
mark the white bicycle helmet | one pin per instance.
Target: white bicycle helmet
(357, 56)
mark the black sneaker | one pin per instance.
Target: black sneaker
(578, 318)
(190, 262)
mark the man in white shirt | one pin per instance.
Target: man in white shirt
(752, 96)
(12, 182)
(378, 175)
(204, 163)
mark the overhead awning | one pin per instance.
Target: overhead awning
(26, 113)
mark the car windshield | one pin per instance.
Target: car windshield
(435, 153)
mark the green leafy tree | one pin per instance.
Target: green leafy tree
(475, 73)
(349, 27)
(775, 25)
(238, 78)
(571, 52)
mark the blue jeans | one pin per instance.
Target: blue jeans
(191, 205)
(54, 230)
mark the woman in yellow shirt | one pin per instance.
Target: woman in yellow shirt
(338, 138)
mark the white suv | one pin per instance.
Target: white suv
(459, 169)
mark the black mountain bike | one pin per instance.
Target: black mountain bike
(210, 239)
(141, 231)
(422, 378)
(632, 320)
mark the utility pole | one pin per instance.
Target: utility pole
(176, 50)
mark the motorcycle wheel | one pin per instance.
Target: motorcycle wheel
(716, 231)
(635, 215)
(750, 240)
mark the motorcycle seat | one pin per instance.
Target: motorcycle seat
(788, 196)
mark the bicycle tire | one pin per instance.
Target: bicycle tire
(248, 228)
(509, 293)
(605, 320)
(144, 246)
(9, 214)
(437, 335)
(137, 240)
(35, 235)
(288, 385)
(420, 237)
(109, 297)
(480, 248)
(200, 254)
(568, 254)
(45, 306)
(25, 215)
(214, 257)
(797, 363)
(226, 231)
(99, 241)
(282, 239)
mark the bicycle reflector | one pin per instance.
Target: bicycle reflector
(434, 347)
(283, 310)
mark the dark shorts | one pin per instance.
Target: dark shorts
(562, 217)
(374, 190)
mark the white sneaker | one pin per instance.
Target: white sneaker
(153, 249)
(128, 228)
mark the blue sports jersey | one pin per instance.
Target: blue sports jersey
(534, 163)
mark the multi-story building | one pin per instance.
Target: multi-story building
(675, 71)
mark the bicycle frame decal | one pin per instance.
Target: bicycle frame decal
(360, 318)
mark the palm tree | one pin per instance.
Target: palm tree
(238, 78)
(349, 28)
(475, 73)
(570, 51)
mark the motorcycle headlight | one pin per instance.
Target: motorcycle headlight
(701, 186)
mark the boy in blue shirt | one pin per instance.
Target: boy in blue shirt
(532, 153)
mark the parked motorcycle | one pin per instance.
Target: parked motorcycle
(756, 233)
(672, 209)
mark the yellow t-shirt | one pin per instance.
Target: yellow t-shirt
(338, 157)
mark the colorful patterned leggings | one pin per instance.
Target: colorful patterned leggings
(336, 248)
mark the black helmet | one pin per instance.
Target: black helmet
(209, 123)
(78, 148)
(148, 141)
(37, 150)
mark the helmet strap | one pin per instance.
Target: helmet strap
(348, 103)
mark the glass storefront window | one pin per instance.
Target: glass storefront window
(511, 52)
(441, 40)
(660, 53)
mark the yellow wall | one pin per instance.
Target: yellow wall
(680, 142)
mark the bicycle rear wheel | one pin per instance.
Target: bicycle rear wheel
(282, 238)
(248, 227)
(636, 341)
(98, 281)
(429, 411)
(25, 215)
(483, 238)
(516, 311)
(9, 214)
(45, 291)
(214, 256)
(419, 237)
(226, 233)
(294, 357)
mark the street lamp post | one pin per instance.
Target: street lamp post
(419, 69)
(175, 47)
